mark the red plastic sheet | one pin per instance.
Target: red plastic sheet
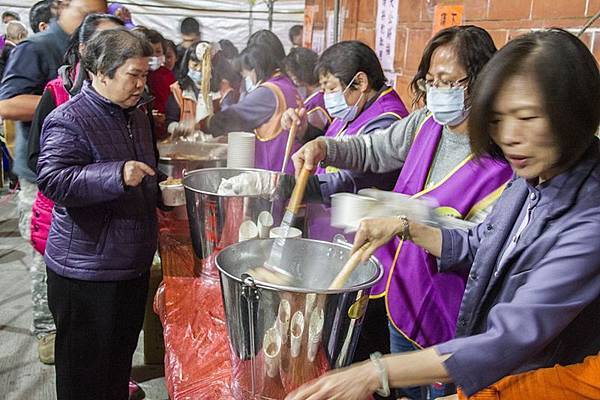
(188, 302)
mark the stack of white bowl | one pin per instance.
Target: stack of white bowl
(240, 151)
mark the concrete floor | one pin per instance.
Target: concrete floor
(22, 376)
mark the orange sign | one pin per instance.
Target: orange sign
(445, 16)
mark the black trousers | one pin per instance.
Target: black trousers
(97, 329)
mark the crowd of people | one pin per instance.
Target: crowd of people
(504, 139)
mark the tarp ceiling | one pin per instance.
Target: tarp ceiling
(220, 19)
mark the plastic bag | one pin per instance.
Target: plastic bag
(188, 302)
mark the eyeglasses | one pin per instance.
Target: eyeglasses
(424, 84)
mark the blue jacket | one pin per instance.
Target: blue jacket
(541, 305)
(101, 230)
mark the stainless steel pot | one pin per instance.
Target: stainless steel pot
(174, 158)
(281, 337)
(215, 219)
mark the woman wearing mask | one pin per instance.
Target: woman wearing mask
(431, 148)
(300, 67)
(269, 94)
(533, 294)
(182, 104)
(357, 97)
(160, 80)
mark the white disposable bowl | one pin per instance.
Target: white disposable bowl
(292, 233)
(172, 195)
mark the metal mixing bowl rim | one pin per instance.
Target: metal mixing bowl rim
(264, 285)
(188, 173)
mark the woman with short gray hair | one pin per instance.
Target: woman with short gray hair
(97, 163)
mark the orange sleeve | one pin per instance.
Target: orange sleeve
(573, 382)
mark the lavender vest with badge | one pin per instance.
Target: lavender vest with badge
(319, 215)
(422, 303)
(271, 139)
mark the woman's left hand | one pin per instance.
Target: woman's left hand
(357, 382)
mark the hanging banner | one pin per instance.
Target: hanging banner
(445, 16)
(309, 23)
(385, 39)
(318, 41)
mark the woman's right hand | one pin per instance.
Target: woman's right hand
(310, 155)
(376, 232)
(295, 116)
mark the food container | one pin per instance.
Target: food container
(316, 328)
(173, 193)
(177, 157)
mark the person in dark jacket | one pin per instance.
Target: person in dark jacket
(97, 163)
(16, 32)
(532, 298)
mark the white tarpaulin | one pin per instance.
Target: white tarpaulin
(220, 19)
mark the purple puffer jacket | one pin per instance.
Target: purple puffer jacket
(101, 231)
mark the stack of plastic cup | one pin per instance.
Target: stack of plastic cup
(240, 151)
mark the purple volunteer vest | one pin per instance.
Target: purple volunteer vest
(389, 102)
(270, 148)
(315, 108)
(422, 303)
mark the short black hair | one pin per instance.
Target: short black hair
(295, 31)
(38, 13)
(269, 40)
(346, 59)
(84, 32)
(108, 50)
(301, 63)
(11, 14)
(189, 26)
(155, 37)
(228, 49)
(258, 58)
(567, 77)
(474, 47)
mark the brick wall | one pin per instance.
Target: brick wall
(504, 19)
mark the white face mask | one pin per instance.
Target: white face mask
(337, 106)
(156, 62)
(447, 105)
(250, 85)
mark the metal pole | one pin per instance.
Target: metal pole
(251, 19)
(336, 21)
(271, 6)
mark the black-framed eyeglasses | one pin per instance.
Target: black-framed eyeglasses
(424, 84)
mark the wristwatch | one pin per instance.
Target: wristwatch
(405, 234)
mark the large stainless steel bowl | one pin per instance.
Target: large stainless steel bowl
(174, 158)
(215, 219)
(268, 369)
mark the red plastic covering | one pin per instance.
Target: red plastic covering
(188, 302)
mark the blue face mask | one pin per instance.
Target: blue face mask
(250, 86)
(337, 107)
(447, 105)
(195, 76)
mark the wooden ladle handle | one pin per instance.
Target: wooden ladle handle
(299, 189)
(348, 268)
